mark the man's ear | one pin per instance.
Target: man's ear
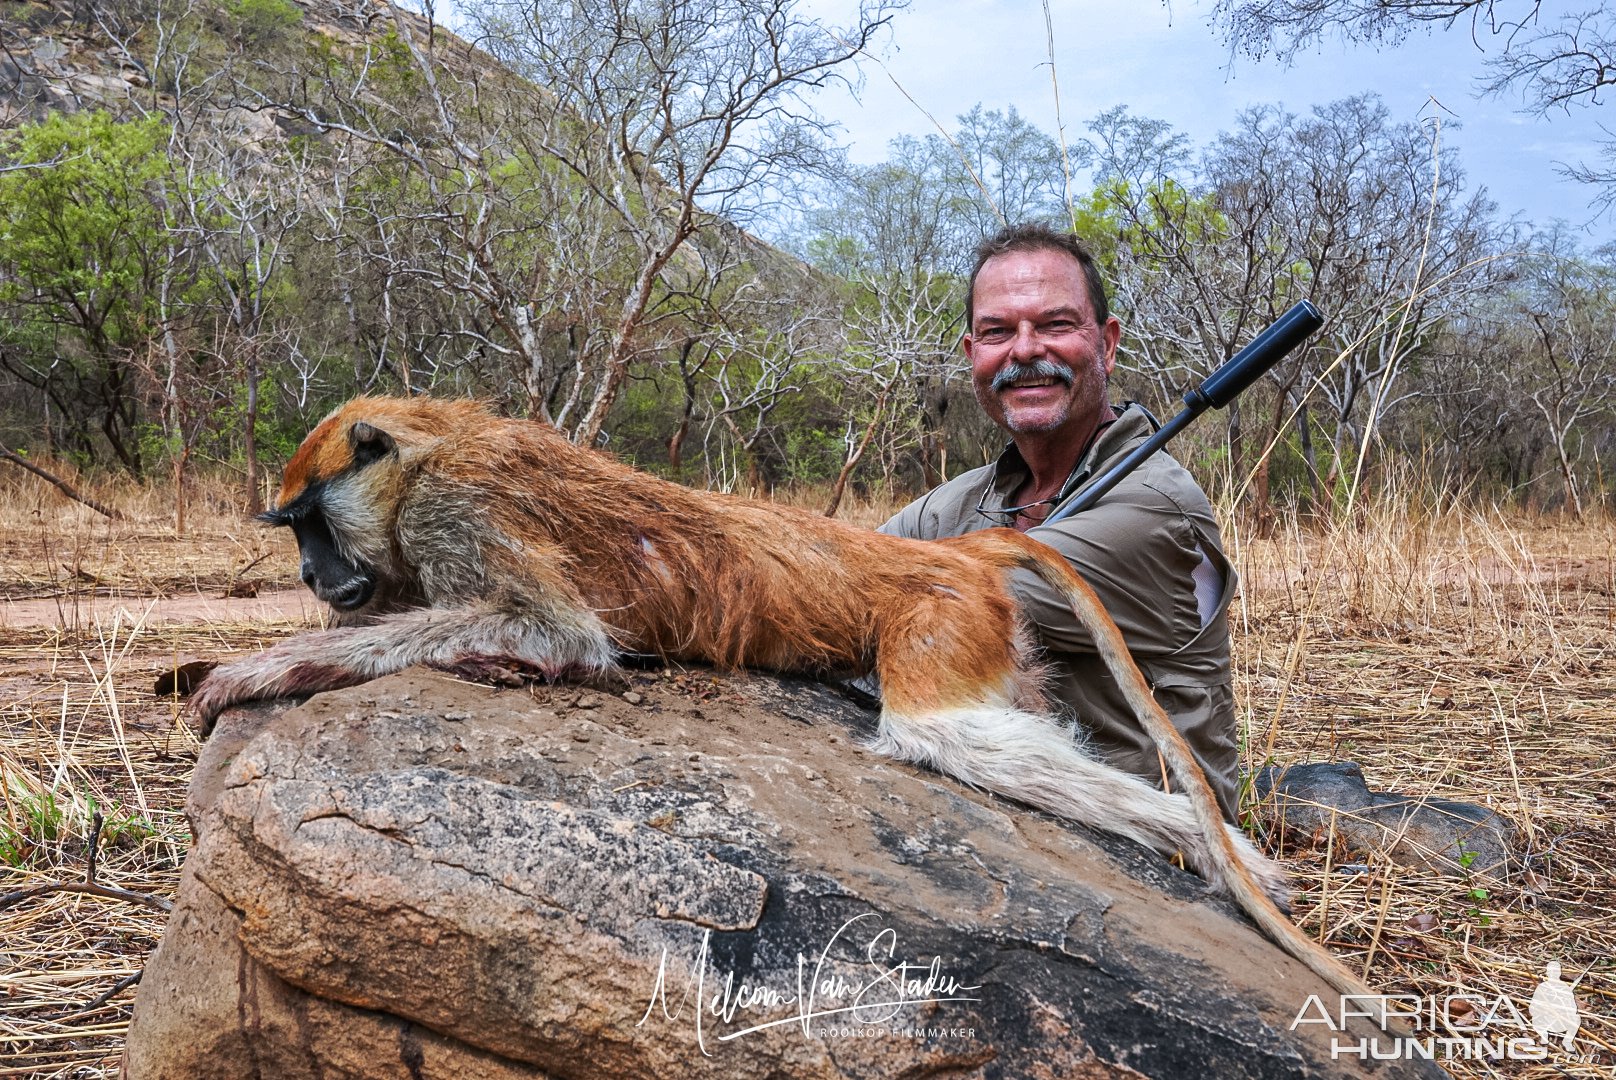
(369, 443)
(1110, 337)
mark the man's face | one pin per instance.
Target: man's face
(1039, 360)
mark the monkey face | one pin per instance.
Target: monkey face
(343, 584)
(335, 508)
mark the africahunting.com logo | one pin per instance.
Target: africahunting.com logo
(1462, 1024)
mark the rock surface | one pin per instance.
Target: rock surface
(424, 878)
(1453, 837)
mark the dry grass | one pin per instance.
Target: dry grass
(1465, 655)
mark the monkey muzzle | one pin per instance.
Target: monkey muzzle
(351, 594)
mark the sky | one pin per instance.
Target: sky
(1166, 63)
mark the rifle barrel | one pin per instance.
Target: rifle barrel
(1218, 389)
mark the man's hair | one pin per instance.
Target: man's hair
(1035, 237)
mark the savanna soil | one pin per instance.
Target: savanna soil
(1466, 657)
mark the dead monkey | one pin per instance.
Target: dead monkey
(440, 533)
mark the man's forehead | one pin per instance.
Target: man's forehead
(1018, 270)
(1022, 284)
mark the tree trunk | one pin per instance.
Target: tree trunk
(1262, 513)
(853, 459)
(255, 500)
(1310, 455)
(181, 459)
(1572, 496)
(1237, 439)
(687, 382)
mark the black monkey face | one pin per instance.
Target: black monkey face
(344, 585)
(332, 512)
(339, 581)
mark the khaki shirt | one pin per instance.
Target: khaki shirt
(1138, 547)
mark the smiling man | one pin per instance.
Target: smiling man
(1042, 345)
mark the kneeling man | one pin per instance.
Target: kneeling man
(1042, 346)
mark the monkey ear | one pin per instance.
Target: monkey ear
(369, 443)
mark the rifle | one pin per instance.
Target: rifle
(1219, 388)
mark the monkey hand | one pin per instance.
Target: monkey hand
(285, 670)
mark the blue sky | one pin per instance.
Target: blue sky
(1167, 64)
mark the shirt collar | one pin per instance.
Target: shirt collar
(1010, 468)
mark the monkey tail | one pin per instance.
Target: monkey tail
(1221, 859)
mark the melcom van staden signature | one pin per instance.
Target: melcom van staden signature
(892, 985)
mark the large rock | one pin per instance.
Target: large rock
(423, 878)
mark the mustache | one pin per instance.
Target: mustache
(1039, 369)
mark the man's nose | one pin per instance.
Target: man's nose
(1026, 344)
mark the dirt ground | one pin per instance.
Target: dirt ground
(1465, 657)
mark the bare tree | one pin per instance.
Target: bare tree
(1367, 218)
(1556, 59)
(666, 114)
(1570, 304)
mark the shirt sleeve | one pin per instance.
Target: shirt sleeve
(1138, 552)
(908, 521)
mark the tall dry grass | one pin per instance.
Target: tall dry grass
(1458, 651)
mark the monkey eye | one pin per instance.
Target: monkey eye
(287, 515)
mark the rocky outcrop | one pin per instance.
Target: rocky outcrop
(1327, 798)
(703, 877)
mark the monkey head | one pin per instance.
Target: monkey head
(339, 497)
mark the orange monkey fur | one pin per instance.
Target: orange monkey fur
(442, 534)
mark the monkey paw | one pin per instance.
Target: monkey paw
(270, 674)
(220, 689)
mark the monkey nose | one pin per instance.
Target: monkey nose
(353, 593)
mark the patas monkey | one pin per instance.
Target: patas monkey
(442, 534)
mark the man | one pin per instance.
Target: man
(1042, 346)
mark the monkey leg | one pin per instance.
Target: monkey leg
(555, 639)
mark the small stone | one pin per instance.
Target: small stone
(632, 698)
(587, 701)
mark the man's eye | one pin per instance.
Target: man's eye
(993, 333)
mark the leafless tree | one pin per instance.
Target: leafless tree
(1569, 302)
(666, 115)
(1556, 59)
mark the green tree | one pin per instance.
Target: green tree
(86, 269)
